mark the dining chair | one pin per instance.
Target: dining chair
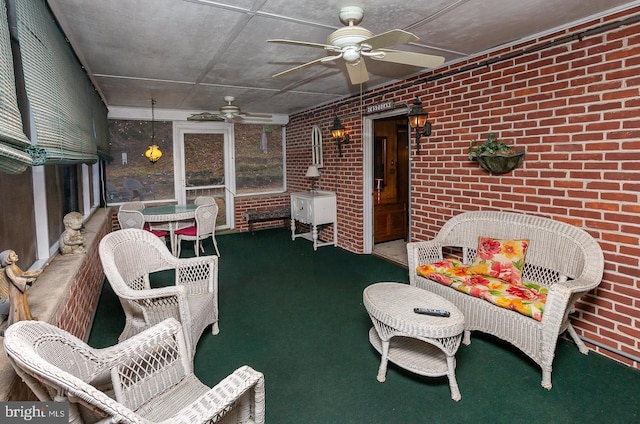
(204, 200)
(129, 257)
(204, 228)
(135, 219)
(131, 206)
(148, 378)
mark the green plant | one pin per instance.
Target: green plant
(490, 147)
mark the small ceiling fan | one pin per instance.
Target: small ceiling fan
(352, 43)
(227, 113)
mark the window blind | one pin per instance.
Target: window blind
(60, 94)
(13, 141)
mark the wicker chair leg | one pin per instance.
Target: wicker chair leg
(546, 379)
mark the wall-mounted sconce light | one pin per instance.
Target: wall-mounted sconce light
(313, 174)
(153, 153)
(418, 121)
(338, 134)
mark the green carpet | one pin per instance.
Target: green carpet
(297, 316)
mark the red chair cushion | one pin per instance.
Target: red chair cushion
(159, 233)
(188, 231)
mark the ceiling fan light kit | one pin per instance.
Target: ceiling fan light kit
(353, 43)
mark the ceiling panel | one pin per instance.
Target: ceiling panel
(189, 54)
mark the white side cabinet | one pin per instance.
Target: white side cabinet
(314, 208)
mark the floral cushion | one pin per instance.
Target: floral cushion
(528, 299)
(523, 297)
(503, 259)
(444, 272)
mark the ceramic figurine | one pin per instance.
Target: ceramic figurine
(14, 283)
(72, 239)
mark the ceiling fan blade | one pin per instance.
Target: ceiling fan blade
(297, 68)
(299, 43)
(205, 116)
(409, 58)
(357, 72)
(390, 38)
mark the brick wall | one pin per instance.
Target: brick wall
(258, 203)
(77, 309)
(571, 100)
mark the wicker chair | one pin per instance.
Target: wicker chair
(145, 379)
(205, 227)
(204, 200)
(130, 256)
(134, 219)
(131, 206)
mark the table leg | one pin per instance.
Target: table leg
(172, 238)
(315, 237)
(382, 371)
(451, 373)
(293, 227)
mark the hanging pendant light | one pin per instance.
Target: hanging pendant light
(153, 153)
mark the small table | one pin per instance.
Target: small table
(423, 344)
(315, 208)
(170, 216)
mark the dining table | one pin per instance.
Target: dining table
(170, 218)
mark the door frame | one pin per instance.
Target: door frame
(180, 128)
(367, 151)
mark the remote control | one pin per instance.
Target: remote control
(433, 312)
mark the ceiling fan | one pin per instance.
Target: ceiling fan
(227, 113)
(352, 43)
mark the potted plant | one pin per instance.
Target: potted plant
(495, 155)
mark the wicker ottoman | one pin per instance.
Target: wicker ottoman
(423, 344)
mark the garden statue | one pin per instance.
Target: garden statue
(14, 283)
(72, 239)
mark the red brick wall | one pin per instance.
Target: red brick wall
(573, 106)
(258, 203)
(76, 312)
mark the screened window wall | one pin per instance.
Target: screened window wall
(256, 152)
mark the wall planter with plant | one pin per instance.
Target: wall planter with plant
(494, 155)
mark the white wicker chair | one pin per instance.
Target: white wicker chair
(205, 227)
(145, 379)
(129, 218)
(130, 256)
(131, 206)
(204, 200)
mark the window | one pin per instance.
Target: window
(316, 146)
(259, 158)
(130, 175)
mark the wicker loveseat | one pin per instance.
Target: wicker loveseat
(562, 258)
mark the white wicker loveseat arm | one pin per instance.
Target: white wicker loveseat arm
(421, 253)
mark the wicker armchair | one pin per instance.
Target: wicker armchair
(130, 256)
(145, 379)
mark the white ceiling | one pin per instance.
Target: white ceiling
(189, 54)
